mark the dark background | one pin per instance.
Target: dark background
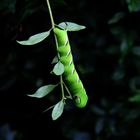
(106, 55)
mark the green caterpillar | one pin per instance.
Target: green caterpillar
(70, 74)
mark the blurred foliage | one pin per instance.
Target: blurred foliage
(107, 56)
(133, 5)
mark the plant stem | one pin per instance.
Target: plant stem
(50, 12)
(52, 22)
(62, 87)
(67, 90)
(53, 25)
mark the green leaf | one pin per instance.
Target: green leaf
(58, 110)
(133, 5)
(116, 18)
(55, 60)
(58, 69)
(124, 46)
(70, 26)
(43, 91)
(35, 38)
(135, 98)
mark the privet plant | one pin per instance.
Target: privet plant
(64, 66)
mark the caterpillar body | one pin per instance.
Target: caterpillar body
(70, 74)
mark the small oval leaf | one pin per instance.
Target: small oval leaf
(118, 16)
(135, 98)
(35, 38)
(57, 110)
(133, 5)
(58, 68)
(43, 91)
(55, 60)
(70, 26)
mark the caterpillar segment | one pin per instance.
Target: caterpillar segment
(70, 74)
(64, 50)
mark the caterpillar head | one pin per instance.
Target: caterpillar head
(80, 99)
